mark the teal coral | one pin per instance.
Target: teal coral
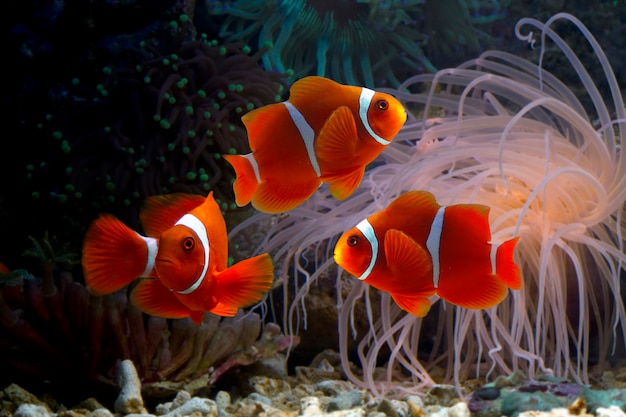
(371, 43)
(543, 394)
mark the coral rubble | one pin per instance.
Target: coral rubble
(56, 336)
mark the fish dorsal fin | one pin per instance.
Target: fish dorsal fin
(407, 258)
(210, 215)
(160, 212)
(306, 89)
(338, 141)
(262, 120)
(474, 217)
(415, 199)
(416, 304)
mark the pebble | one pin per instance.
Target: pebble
(612, 411)
(32, 410)
(277, 397)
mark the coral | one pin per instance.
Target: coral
(501, 131)
(51, 45)
(369, 43)
(451, 27)
(119, 100)
(129, 400)
(158, 122)
(57, 332)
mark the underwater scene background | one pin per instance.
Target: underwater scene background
(516, 105)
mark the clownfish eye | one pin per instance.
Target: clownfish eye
(382, 104)
(188, 243)
(353, 241)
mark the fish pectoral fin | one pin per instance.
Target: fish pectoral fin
(343, 184)
(335, 148)
(405, 257)
(243, 284)
(160, 212)
(416, 304)
(113, 255)
(152, 297)
(473, 292)
(276, 197)
(337, 142)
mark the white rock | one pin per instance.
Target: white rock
(197, 406)
(32, 410)
(555, 412)
(459, 409)
(310, 406)
(612, 411)
(129, 401)
(101, 412)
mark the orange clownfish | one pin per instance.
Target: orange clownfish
(184, 258)
(415, 249)
(324, 133)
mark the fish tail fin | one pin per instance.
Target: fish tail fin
(247, 179)
(506, 268)
(243, 284)
(114, 255)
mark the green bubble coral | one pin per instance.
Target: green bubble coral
(168, 111)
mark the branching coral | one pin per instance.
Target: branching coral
(53, 330)
(502, 131)
(368, 42)
(159, 121)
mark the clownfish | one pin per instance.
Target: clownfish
(183, 260)
(324, 133)
(416, 249)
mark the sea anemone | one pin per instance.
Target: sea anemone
(502, 131)
(368, 42)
